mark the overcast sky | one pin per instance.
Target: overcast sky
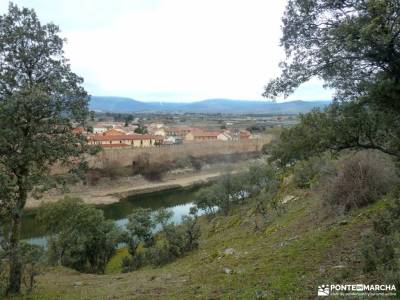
(172, 50)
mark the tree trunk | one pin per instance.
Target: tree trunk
(15, 276)
(14, 285)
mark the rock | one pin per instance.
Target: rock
(229, 251)
(288, 198)
(227, 271)
(339, 267)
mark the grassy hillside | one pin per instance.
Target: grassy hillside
(297, 250)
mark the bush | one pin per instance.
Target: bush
(150, 171)
(93, 177)
(159, 255)
(140, 229)
(363, 179)
(261, 177)
(79, 235)
(112, 169)
(178, 240)
(32, 260)
(308, 172)
(155, 171)
(381, 247)
(207, 200)
(231, 189)
(133, 263)
(192, 231)
(172, 241)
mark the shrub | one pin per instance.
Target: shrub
(192, 231)
(150, 171)
(381, 247)
(133, 263)
(206, 200)
(139, 230)
(93, 177)
(261, 177)
(196, 162)
(307, 172)
(173, 240)
(159, 255)
(234, 189)
(178, 239)
(155, 171)
(363, 179)
(79, 235)
(111, 169)
(32, 260)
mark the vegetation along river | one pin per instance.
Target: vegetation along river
(178, 200)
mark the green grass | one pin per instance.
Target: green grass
(295, 252)
(114, 265)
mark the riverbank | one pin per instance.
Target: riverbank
(296, 251)
(111, 191)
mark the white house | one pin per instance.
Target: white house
(99, 130)
(224, 136)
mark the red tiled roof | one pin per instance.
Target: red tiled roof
(78, 130)
(114, 131)
(124, 137)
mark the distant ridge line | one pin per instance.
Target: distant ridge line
(128, 105)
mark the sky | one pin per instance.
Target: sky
(172, 50)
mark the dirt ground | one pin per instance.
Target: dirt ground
(110, 191)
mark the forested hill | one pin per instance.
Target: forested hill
(120, 104)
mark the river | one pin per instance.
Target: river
(179, 201)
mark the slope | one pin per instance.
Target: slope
(298, 250)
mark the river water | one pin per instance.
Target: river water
(179, 201)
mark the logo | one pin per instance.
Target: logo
(323, 290)
(356, 290)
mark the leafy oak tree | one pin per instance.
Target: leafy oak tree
(40, 98)
(79, 236)
(354, 47)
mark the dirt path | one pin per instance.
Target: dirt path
(111, 191)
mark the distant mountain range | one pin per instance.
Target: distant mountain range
(228, 106)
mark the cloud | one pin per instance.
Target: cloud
(171, 50)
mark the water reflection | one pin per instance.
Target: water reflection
(179, 201)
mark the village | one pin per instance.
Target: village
(117, 135)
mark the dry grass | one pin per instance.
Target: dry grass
(296, 252)
(362, 179)
(125, 156)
